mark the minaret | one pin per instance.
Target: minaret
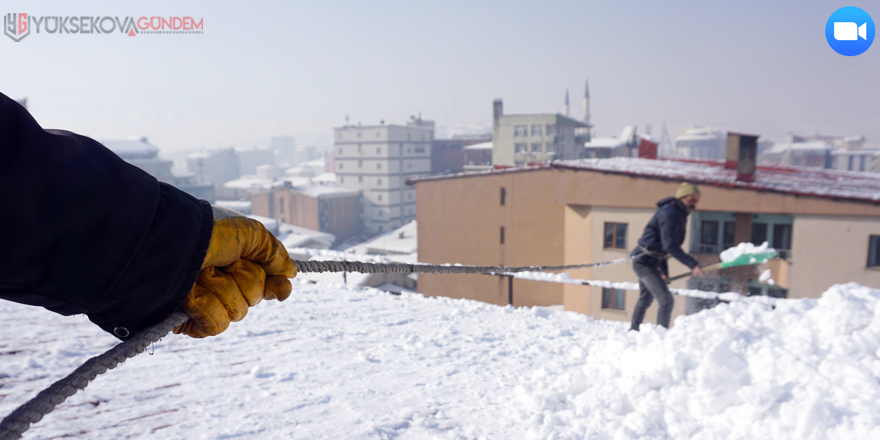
(587, 102)
(566, 102)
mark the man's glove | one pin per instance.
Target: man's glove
(244, 265)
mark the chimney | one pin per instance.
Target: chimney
(497, 111)
(742, 152)
(647, 149)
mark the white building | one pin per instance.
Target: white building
(142, 154)
(537, 137)
(376, 160)
(701, 143)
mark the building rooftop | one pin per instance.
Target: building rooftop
(480, 146)
(317, 190)
(605, 142)
(810, 182)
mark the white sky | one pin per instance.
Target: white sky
(297, 68)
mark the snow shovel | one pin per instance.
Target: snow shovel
(742, 260)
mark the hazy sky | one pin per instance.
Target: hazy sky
(265, 68)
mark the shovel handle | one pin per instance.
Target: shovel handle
(715, 266)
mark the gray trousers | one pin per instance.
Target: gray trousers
(651, 286)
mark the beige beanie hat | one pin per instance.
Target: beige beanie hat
(686, 189)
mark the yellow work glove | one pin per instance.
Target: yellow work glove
(244, 265)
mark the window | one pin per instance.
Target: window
(419, 149)
(340, 151)
(520, 130)
(359, 135)
(340, 165)
(360, 163)
(341, 179)
(536, 130)
(536, 148)
(360, 179)
(359, 148)
(377, 135)
(378, 181)
(709, 237)
(378, 150)
(874, 251)
(614, 299)
(521, 148)
(729, 231)
(502, 235)
(503, 195)
(782, 240)
(551, 129)
(759, 233)
(379, 166)
(409, 165)
(379, 197)
(409, 136)
(615, 235)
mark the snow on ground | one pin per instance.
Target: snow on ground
(339, 363)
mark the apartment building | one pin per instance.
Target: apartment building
(825, 223)
(376, 160)
(538, 137)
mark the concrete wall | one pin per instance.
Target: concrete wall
(461, 223)
(828, 250)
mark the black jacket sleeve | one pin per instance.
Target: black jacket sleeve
(672, 232)
(86, 232)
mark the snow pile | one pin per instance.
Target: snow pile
(745, 248)
(334, 362)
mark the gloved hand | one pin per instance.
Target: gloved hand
(244, 265)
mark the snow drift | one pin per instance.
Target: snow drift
(332, 362)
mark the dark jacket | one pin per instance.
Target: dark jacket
(86, 232)
(664, 235)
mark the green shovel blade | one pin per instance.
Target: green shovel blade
(748, 259)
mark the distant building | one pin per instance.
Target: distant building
(537, 137)
(821, 151)
(449, 155)
(701, 143)
(376, 160)
(144, 155)
(322, 207)
(285, 149)
(478, 157)
(863, 160)
(250, 158)
(215, 167)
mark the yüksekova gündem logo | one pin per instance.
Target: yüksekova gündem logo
(19, 25)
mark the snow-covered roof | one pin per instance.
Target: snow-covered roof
(604, 142)
(131, 148)
(317, 190)
(837, 184)
(402, 240)
(480, 146)
(799, 146)
(293, 236)
(251, 182)
(341, 362)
